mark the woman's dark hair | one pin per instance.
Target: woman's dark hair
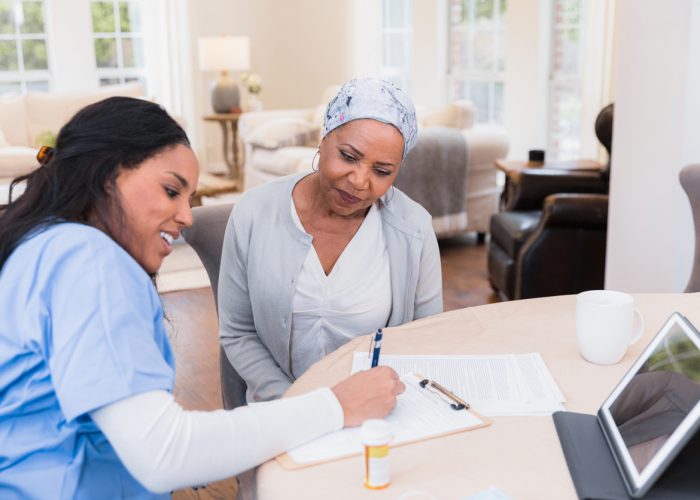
(76, 182)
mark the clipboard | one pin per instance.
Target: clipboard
(415, 406)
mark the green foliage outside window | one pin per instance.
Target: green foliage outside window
(103, 17)
(7, 20)
(8, 56)
(34, 52)
(33, 17)
(106, 52)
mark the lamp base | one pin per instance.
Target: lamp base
(224, 94)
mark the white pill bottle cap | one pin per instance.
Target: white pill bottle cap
(375, 432)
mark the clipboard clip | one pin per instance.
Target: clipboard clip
(459, 403)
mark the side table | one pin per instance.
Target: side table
(514, 168)
(229, 128)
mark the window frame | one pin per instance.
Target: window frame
(460, 75)
(119, 73)
(400, 75)
(557, 79)
(21, 76)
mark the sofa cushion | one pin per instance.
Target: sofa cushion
(13, 119)
(283, 161)
(283, 132)
(48, 112)
(3, 141)
(17, 160)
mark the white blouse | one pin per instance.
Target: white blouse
(354, 299)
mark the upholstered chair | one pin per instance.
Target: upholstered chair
(206, 237)
(690, 180)
(550, 237)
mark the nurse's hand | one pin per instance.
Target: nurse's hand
(368, 394)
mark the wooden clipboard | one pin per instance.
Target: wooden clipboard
(345, 443)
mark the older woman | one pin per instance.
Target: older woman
(86, 368)
(313, 260)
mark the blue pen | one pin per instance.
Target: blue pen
(377, 347)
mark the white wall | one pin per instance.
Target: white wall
(429, 72)
(656, 131)
(297, 47)
(69, 27)
(527, 63)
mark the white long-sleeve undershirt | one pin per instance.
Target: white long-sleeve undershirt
(165, 447)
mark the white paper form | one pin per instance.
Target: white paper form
(510, 384)
(419, 414)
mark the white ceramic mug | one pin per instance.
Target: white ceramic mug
(604, 320)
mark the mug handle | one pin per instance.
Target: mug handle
(640, 326)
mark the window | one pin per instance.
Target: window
(564, 121)
(23, 57)
(397, 34)
(119, 51)
(476, 62)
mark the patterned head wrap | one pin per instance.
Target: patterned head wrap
(375, 99)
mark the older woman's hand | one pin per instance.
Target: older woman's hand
(368, 394)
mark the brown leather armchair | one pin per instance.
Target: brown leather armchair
(550, 237)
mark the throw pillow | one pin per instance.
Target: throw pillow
(283, 132)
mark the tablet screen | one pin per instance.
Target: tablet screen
(649, 415)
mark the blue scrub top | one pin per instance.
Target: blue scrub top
(81, 326)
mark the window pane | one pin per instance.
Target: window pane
(484, 50)
(33, 17)
(394, 55)
(103, 17)
(132, 52)
(458, 11)
(394, 13)
(129, 17)
(501, 51)
(498, 102)
(484, 10)
(38, 86)
(7, 20)
(106, 52)
(34, 53)
(459, 89)
(7, 87)
(566, 48)
(567, 12)
(8, 56)
(479, 95)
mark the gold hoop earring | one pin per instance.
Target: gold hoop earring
(318, 153)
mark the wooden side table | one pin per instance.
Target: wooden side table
(229, 127)
(514, 168)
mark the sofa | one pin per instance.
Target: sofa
(283, 142)
(27, 119)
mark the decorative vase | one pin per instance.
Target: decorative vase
(254, 103)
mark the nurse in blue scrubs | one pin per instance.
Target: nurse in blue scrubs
(86, 367)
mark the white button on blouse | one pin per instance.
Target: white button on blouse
(353, 300)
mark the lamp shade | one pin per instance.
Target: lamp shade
(224, 53)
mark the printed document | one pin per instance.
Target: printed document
(497, 385)
(420, 413)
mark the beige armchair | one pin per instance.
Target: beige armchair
(284, 142)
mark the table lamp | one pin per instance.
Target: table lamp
(224, 53)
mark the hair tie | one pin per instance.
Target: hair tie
(44, 155)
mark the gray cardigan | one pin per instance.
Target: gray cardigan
(262, 257)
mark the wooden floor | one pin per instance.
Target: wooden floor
(193, 323)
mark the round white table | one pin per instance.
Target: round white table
(519, 455)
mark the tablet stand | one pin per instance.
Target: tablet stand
(595, 473)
